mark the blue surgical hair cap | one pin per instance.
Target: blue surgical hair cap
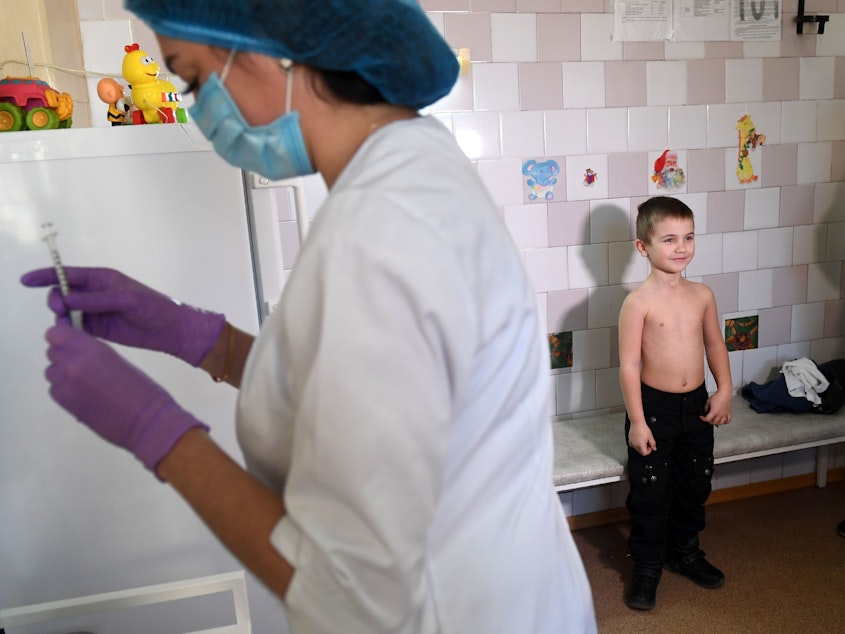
(390, 43)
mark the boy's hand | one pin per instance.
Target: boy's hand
(717, 409)
(641, 439)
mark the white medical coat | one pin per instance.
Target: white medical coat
(397, 399)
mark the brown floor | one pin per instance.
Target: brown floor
(783, 561)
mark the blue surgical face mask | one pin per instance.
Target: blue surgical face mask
(276, 150)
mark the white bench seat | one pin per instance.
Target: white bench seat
(591, 451)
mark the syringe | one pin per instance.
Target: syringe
(50, 238)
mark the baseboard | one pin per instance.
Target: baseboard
(611, 516)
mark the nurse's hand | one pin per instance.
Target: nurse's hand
(119, 309)
(113, 397)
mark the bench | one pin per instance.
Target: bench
(591, 451)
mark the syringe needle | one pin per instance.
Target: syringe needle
(50, 238)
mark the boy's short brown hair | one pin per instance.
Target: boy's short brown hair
(656, 209)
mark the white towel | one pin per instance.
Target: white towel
(803, 378)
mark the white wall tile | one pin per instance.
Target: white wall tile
(766, 468)
(666, 83)
(566, 132)
(814, 162)
(575, 392)
(792, 351)
(503, 179)
(596, 34)
(90, 9)
(832, 45)
(576, 170)
(478, 134)
(743, 80)
(522, 134)
(731, 474)
(807, 322)
(688, 127)
(583, 85)
(607, 130)
(697, 202)
(608, 389)
(775, 248)
(547, 269)
(815, 78)
(627, 266)
(823, 281)
(739, 251)
(755, 289)
(496, 86)
(592, 500)
(528, 224)
(542, 300)
(735, 359)
(799, 462)
(721, 124)
(798, 124)
(102, 46)
(762, 208)
(822, 350)
(673, 50)
(809, 244)
(587, 265)
(757, 364)
(767, 118)
(708, 255)
(590, 349)
(648, 128)
(514, 37)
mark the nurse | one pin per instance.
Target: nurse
(393, 410)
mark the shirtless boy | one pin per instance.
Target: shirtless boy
(666, 328)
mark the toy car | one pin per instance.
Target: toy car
(29, 103)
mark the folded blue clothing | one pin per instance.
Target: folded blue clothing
(774, 397)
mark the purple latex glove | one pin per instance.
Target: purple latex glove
(119, 309)
(113, 397)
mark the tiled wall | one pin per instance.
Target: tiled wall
(548, 83)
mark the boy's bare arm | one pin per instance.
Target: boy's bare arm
(718, 408)
(631, 320)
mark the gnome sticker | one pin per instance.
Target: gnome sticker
(667, 174)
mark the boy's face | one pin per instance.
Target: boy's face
(671, 246)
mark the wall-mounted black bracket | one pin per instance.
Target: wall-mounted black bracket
(802, 18)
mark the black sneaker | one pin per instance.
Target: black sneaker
(642, 592)
(691, 563)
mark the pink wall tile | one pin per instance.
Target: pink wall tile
(834, 318)
(445, 5)
(723, 50)
(538, 6)
(779, 164)
(582, 6)
(775, 326)
(541, 86)
(837, 167)
(725, 211)
(569, 223)
(796, 205)
(789, 286)
(780, 79)
(706, 171)
(470, 30)
(624, 83)
(493, 6)
(567, 310)
(839, 79)
(726, 289)
(705, 81)
(559, 37)
(646, 51)
(627, 174)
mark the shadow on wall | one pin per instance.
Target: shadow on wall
(830, 253)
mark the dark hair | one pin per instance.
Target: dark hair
(350, 87)
(656, 209)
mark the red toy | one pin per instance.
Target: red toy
(29, 103)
